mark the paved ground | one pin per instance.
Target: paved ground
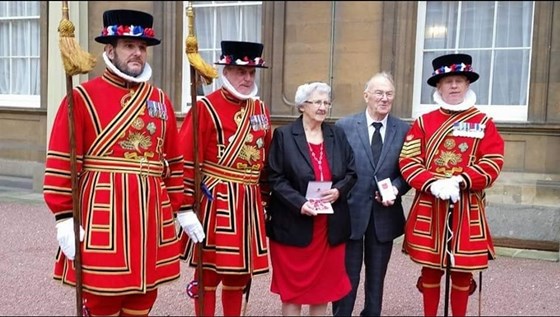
(518, 283)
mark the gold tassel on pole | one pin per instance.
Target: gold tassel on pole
(75, 60)
(206, 72)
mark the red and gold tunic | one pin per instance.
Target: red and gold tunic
(233, 139)
(442, 144)
(129, 185)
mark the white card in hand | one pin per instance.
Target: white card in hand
(314, 190)
(386, 189)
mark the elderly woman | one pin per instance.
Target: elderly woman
(310, 169)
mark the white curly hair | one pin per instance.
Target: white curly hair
(304, 91)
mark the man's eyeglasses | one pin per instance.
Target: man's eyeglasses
(380, 93)
(319, 103)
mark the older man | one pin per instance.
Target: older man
(377, 215)
(234, 133)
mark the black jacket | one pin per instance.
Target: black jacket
(289, 169)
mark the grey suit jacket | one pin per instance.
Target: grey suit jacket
(388, 221)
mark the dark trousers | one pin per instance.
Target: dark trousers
(375, 255)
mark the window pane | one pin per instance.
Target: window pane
(21, 29)
(441, 21)
(4, 8)
(4, 76)
(477, 20)
(514, 24)
(203, 18)
(35, 84)
(22, 8)
(512, 91)
(251, 22)
(34, 38)
(4, 38)
(481, 65)
(33, 8)
(21, 83)
(227, 24)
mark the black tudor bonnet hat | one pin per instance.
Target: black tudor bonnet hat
(452, 64)
(127, 24)
(241, 54)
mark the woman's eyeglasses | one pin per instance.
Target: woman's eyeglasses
(319, 103)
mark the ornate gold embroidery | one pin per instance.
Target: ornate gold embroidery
(135, 156)
(221, 150)
(138, 124)
(447, 158)
(135, 141)
(249, 138)
(449, 172)
(126, 98)
(159, 145)
(239, 116)
(249, 153)
(411, 148)
(243, 166)
(449, 144)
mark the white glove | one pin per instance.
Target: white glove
(454, 195)
(191, 225)
(65, 237)
(446, 188)
(459, 179)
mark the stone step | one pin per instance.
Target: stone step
(553, 246)
(16, 182)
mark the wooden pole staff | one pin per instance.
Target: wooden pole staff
(479, 293)
(75, 61)
(207, 73)
(449, 254)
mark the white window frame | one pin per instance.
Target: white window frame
(19, 100)
(517, 113)
(216, 51)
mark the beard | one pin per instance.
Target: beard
(123, 66)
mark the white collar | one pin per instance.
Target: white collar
(470, 100)
(238, 95)
(144, 77)
(369, 120)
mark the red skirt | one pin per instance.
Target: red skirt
(311, 275)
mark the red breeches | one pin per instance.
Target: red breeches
(232, 292)
(430, 282)
(124, 305)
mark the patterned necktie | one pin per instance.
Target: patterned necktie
(376, 142)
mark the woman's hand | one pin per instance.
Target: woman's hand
(309, 209)
(330, 196)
